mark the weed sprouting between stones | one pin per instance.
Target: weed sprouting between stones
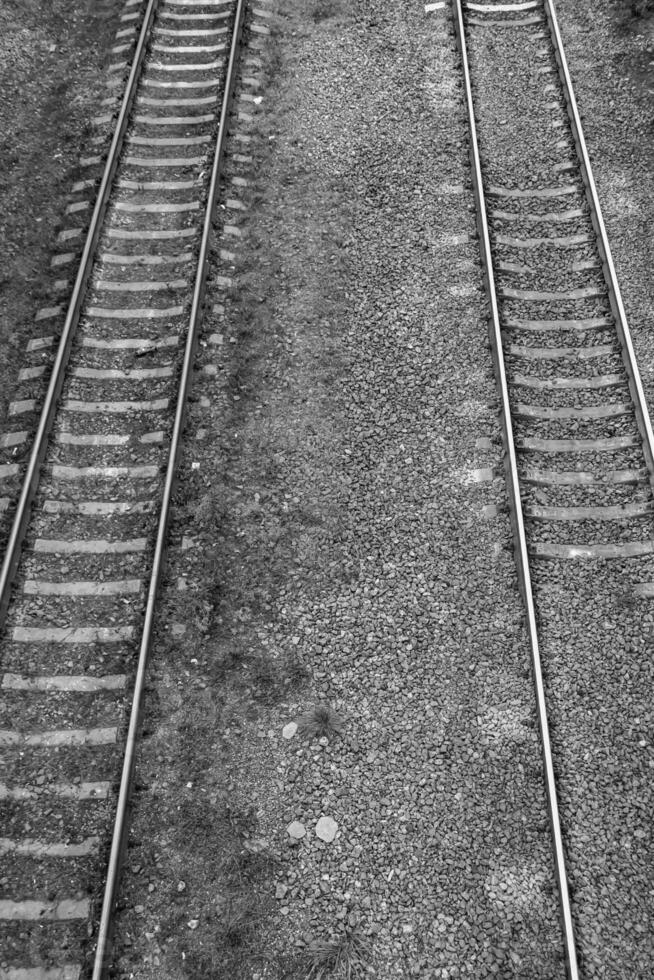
(320, 722)
(296, 671)
(239, 922)
(341, 956)
(271, 678)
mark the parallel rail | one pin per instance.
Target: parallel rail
(535, 14)
(103, 948)
(517, 519)
(188, 334)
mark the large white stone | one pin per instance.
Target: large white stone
(326, 829)
(296, 830)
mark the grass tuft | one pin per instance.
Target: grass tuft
(297, 672)
(239, 924)
(321, 722)
(271, 679)
(325, 10)
(342, 956)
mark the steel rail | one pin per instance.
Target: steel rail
(101, 964)
(608, 268)
(33, 473)
(517, 519)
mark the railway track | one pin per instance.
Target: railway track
(578, 452)
(80, 579)
(86, 544)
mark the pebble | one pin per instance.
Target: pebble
(296, 830)
(256, 845)
(288, 731)
(326, 829)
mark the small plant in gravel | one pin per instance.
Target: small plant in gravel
(209, 510)
(263, 675)
(626, 600)
(341, 956)
(255, 866)
(239, 922)
(242, 820)
(271, 679)
(324, 9)
(321, 722)
(296, 671)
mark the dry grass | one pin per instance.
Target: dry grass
(342, 956)
(320, 722)
(325, 10)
